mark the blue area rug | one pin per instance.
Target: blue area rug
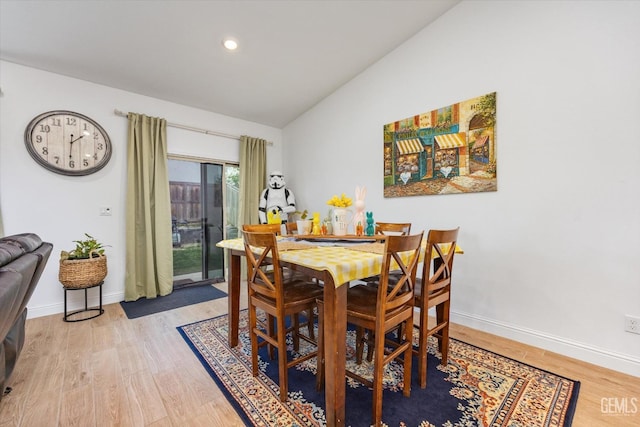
(476, 388)
(178, 298)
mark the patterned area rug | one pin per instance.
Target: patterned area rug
(477, 388)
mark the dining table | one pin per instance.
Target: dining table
(336, 261)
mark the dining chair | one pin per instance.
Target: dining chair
(269, 293)
(382, 309)
(434, 290)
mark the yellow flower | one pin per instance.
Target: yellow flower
(340, 202)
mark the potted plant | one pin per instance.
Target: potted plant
(341, 217)
(303, 224)
(85, 265)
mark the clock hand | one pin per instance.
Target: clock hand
(71, 143)
(74, 140)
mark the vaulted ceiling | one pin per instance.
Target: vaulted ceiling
(292, 54)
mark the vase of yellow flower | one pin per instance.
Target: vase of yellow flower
(340, 215)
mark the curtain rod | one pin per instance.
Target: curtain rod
(193, 129)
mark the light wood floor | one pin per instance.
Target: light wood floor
(112, 371)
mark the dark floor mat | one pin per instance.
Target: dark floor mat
(178, 298)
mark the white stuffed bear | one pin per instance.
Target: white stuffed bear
(276, 198)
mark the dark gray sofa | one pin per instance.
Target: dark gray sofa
(22, 259)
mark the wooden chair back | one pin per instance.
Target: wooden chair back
(291, 227)
(403, 228)
(289, 274)
(263, 228)
(436, 274)
(434, 290)
(264, 275)
(388, 228)
(398, 293)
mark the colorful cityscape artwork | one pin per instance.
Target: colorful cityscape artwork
(445, 151)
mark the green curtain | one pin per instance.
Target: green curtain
(253, 172)
(149, 256)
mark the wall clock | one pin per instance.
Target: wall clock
(68, 143)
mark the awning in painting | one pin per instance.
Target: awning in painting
(481, 141)
(451, 140)
(409, 146)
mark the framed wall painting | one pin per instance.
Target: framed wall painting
(444, 151)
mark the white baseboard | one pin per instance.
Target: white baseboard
(74, 302)
(598, 356)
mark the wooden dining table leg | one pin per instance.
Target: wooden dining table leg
(335, 336)
(233, 292)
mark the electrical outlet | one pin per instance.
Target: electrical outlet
(632, 324)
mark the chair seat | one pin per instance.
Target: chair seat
(297, 292)
(361, 303)
(372, 281)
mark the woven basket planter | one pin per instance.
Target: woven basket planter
(82, 273)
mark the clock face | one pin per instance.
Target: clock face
(68, 143)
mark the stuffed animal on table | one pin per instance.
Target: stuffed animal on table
(358, 217)
(371, 229)
(276, 199)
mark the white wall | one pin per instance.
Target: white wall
(551, 258)
(61, 209)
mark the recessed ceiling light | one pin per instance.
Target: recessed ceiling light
(229, 43)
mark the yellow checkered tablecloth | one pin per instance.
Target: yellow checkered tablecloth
(343, 264)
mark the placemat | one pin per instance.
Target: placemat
(376, 248)
(290, 246)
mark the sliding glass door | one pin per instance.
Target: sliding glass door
(203, 210)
